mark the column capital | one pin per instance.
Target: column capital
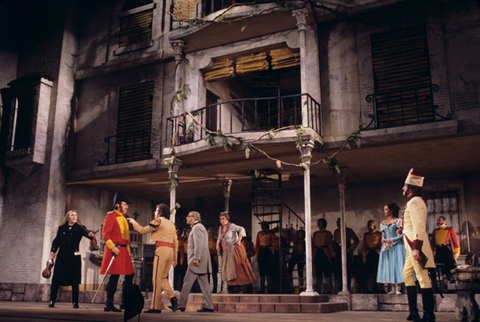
(173, 166)
(340, 177)
(177, 46)
(306, 151)
(301, 16)
(227, 186)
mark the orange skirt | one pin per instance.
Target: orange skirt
(243, 267)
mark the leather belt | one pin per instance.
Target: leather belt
(162, 243)
(121, 245)
(442, 245)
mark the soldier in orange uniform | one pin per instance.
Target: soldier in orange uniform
(442, 238)
(265, 248)
(116, 235)
(322, 243)
(371, 253)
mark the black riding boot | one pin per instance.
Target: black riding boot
(412, 303)
(174, 302)
(428, 305)
(111, 288)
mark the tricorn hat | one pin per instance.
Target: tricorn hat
(119, 197)
(414, 180)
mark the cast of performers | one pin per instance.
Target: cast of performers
(371, 252)
(236, 267)
(350, 237)
(419, 253)
(164, 234)
(68, 267)
(116, 235)
(322, 243)
(265, 248)
(442, 238)
(392, 256)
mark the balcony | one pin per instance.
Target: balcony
(403, 107)
(127, 147)
(184, 10)
(241, 115)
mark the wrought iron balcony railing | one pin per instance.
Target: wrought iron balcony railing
(127, 147)
(184, 12)
(248, 114)
(403, 107)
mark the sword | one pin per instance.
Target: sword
(105, 275)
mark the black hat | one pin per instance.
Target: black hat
(119, 197)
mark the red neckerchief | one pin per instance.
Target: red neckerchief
(224, 245)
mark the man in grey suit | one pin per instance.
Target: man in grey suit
(199, 265)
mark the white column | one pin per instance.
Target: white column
(301, 16)
(173, 170)
(306, 156)
(343, 236)
(227, 186)
(178, 46)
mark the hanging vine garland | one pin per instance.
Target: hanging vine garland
(228, 142)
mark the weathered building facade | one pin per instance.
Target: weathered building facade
(94, 96)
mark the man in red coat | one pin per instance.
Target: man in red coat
(116, 235)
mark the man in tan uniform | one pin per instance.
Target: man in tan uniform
(419, 253)
(164, 234)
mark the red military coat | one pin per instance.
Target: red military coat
(115, 231)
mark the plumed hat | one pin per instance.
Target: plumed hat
(119, 197)
(414, 180)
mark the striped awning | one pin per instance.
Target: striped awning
(221, 69)
(251, 63)
(284, 57)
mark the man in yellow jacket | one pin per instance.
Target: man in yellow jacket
(164, 234)
(419, 253)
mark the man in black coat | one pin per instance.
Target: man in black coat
(68, 268)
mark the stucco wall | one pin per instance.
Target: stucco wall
(97, 112)
(462, 46)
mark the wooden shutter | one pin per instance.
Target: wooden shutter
(134, 122)
(184, 9)
(135, 28)
(402, 77)
(284, 57)
(251, 63)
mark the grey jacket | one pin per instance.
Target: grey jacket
(198, 249)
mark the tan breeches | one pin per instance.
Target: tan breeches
(161, 267)
(413, 266)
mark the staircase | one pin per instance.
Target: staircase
(265, 303)
(268, 207)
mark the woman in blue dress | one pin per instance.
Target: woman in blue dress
(392, 256)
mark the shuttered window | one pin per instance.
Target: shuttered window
(135, 28)
(134, 123)
(402, 77)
